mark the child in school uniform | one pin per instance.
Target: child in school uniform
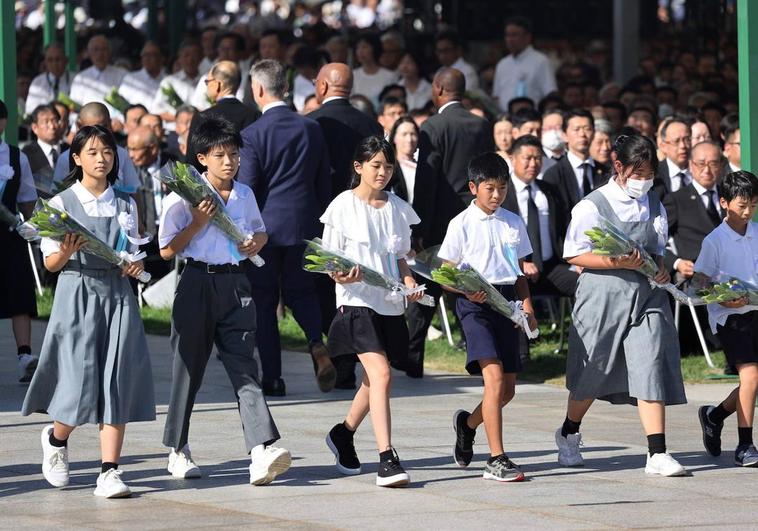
(94, 364)
(493, 241)
(213, 304)
(731, 250)
(623, 345)
(17, 298)
(374, 228)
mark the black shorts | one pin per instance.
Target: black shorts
(739, 337)
(357, 329)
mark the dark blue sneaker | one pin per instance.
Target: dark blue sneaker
(746, 455)
(711, 431)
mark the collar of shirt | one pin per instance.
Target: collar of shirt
(181, 74)
(701, 189)
(448, 104)
(734, 167)
(85, 196)
(46, 148)
(523, 54)
(520, 185)
(272, 105)
(480, 214)
(750, 233)
(147, 75)
(620, 195)
(576, 162)
(674, 169)
(333, 98)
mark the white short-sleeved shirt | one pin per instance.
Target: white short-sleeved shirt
(724, 254)
(27, 192)
(371, 85)
(527, 74)
(211, 245)
(490, 243)
(585, 216)
(140, 87)
(422, 96)
(92, 84)
(128, 180)
(103, 206)
(42, 89)
(184, 86)
(374, 237)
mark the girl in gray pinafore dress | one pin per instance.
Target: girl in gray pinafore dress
(623, 345)
(94, 364)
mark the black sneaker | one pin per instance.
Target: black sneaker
(746, 455)
(391, 473)
(711, 431)
(464, 439)
(501, 468)
(340, 442)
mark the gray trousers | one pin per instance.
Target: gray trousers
(216, 308)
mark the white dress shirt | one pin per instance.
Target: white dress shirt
(469, 72)
(301, 90)
(676, 177)
(211, 245)
(92, 84)
(419, 98)
(540, 200)
(527, 74)
(140, 87)
(371, 85)
(47, 149)
(42, 90)
(706, 197)
(128, 180)
(732, 167)
(408, 169)
(27, 192)
(448, 104)
(578, 165)
(184, 86)
(724, 254)
(490, 243)
(585, 216)
(103, 206)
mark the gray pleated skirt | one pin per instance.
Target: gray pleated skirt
(94, 364)
(623, 345)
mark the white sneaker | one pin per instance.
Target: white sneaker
(664, 465)
(54, 460)
(110, 485)
(181, 465)
(269, 464)
(568, 449)
(27, 364)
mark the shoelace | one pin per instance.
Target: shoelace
(394, 462)
(503, 462)
(59, 460)
(465, 439)
(113, 474)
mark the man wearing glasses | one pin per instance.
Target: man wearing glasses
(675, 142)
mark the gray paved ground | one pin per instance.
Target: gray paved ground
(611, 491)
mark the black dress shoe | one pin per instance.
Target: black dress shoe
(730, 370)
(414, 372)
(274, 388)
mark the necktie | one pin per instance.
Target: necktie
(713, 212)
(54, 155)
(533, 228)
(147, 200)
(56, 85)
(586, 179)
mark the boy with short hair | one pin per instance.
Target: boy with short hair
(731, 250)
(491, 240)
(214, 304)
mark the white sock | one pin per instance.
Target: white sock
(257, 451)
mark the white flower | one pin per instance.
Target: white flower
(660, 227)
(126, 221)
(512, 238)
(394, 244)
(6, 173)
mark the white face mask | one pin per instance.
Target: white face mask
(553, 140)
(637, 188)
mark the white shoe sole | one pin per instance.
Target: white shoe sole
(279, 465)
(45, 440)
(28, 373)
(343, 470)
(677, 473)
(398, 480)
(118, 494)
(192, 473)
(516, 479)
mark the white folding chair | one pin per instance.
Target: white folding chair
(700, 336)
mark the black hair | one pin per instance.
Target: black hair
(390, 101)
(3, 111)
(307, 56)
(400, 121)
(77, 145)
(374, 41)
(634, 151)
(367, 149)
(419, 60)
(390, 88)
(614, 104)
(713, 106)
(645, 108)
(522, 22)
(524, 141)
(135, 106)
(363, 104)
(741, 184)
(553, 97)
(239, 40)
(214, 131)
(667, 88)
(449, 35)
(730, 124)
(45, 107)
(577, 113)
(525, 115)
(517, 100)
(488, 167)
(674, 119)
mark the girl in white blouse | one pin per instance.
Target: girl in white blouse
(373, 227)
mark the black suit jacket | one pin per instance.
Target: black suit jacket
(344, 127)
(37, 159)
(231, 109)
(689, 224)
(557, 217)
(563, 178)
(448, 141)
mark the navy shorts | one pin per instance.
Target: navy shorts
(739, 337)
(489, 334)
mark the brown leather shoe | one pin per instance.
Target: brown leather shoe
(326, 374)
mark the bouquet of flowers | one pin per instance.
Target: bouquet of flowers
(8, 218)
(173, 98)
(321, 259)
(705, 290)
(68, 102)
(117, 101)
(187, 183)
(49, 222)
(468, 280)
(608, 240)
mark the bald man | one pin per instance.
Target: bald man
(141, 86)
(94, 83)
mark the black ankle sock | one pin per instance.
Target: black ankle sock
(106, 466)
(718, 414)
(24, 349)
(493, 457)
(656, 443)
(745, 435)
(386, 455)
(343, 430)
(570, 427)
(57, 442)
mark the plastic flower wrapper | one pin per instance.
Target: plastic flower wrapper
(187, 183)
(50, 222)
(706, 290)
(173, 98)
(608, 240)
(321, 259)
(68, 102)
(468, 280)
(117, 101)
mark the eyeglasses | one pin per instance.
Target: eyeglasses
(207, 81)
(713, 165)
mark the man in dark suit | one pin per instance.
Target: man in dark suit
(448, 141)
(284, 160)
(675, 142)
(575, 174)
(222, 82)
(344, 127)
(43, 153)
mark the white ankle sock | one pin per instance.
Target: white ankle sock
(257, 451)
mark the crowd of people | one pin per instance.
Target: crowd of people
(503, 166)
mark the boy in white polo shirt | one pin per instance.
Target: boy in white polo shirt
(731, 250)
(493, 241)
